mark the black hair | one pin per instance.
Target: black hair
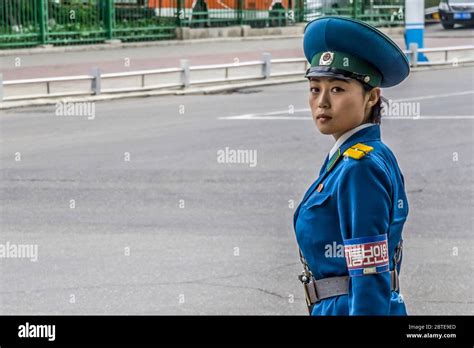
(376, 112)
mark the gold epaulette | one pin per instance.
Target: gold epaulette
(358, 151)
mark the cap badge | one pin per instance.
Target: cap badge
(326, 58)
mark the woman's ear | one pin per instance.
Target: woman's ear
(374, 96)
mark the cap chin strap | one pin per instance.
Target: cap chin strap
(340, 72)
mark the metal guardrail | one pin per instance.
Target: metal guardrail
(96, 77)
(414, 50)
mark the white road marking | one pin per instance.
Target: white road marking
(435, 96)
(286, 115)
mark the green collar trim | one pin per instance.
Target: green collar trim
(333, 160)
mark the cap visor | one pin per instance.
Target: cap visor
(311, 74)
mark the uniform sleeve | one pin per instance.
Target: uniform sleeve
(364, 204)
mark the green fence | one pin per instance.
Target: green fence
(375, 12)
(26, 23)
(39, 22)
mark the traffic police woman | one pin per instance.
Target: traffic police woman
(358, 201)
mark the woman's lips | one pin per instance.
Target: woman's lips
(323, 118)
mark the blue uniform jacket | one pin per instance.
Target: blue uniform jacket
(361, 201)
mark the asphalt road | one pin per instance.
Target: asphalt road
(174, 231)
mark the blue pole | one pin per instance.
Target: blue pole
(415, 25)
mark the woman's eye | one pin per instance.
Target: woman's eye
(334, 89)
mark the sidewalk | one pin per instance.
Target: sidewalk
(164, 56)
(143, 58)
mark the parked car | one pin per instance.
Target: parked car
(456, 12)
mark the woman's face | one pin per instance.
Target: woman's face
(340, 105)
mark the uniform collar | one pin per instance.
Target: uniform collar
(346, 136)
(361, 134)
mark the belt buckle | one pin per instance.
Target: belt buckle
(315, 288)
(310, 290)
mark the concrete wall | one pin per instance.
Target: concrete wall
(185, 33)
(236, 31)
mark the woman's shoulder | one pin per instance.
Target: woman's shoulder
(366, 160)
